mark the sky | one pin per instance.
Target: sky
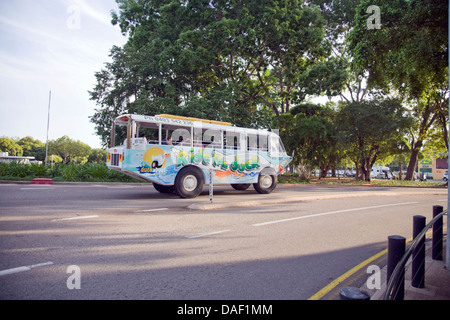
(53, 46)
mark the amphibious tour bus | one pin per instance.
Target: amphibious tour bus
(182, 154)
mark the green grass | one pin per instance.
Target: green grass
(380, 182)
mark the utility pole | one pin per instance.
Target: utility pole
(48, 125)
(447, 250)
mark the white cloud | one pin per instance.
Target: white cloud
(39, 52)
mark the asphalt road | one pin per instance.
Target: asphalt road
(117, 241)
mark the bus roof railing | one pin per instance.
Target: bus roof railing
(173, 120)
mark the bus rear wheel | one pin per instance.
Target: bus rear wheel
(163, 189)
(266, 183)
(189, 183)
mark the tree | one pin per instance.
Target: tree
(409, 53)
(97, 156)
(10, 146)
(222, 60)
(32, 148)
(309, 130)
(69, 149)
(370, 128)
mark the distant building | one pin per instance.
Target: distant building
(434, 169)
(5, 157)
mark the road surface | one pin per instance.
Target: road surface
(126, 241)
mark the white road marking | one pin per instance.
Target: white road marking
(153, 210)
(24, 268)
(332, 212)
(38, 188)
(206, 234)
(75, 218)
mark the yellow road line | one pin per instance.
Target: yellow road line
(349, 273)
(346, 275)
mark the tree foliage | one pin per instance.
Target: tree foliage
(257, 62)
(222, 60)
(10, 146)
(371, 129)
(410, 53)
(69, 150)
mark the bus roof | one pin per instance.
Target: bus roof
(168, 120)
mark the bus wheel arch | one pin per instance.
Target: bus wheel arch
(189, 182)
(267, 181)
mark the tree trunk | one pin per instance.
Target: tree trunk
(413, 161)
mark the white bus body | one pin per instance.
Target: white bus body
(236, 156)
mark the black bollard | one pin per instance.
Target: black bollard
(396, 250)
(436, 251)
(418, 254)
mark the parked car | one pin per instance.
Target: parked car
(445, 176)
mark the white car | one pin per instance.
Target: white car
(445, 176)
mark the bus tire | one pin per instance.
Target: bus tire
(163, 189)
(240, 186)
(266, 183)
(189, 182)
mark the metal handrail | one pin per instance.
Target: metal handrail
(393, 281)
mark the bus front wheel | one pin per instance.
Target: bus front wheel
(266, 183)
(189, 183)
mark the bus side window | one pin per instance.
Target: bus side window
(181, 137)
(212, 139)
(263, 142)
(232, 141)
(252, 143)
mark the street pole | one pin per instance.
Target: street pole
(447, 250)
(48, 125)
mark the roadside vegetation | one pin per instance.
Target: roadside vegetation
(97, 172)
(89, 172)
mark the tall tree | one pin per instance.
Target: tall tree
(371, 128)
(219, 59)
(69, 149)
(409, 52)
(310, 131)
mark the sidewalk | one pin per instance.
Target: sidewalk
(437, 280)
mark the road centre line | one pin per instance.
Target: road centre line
(75, 218)
(331, 212)
(153, 210)
(24, 268)
(206, 234)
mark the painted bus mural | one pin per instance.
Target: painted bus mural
(182, 154)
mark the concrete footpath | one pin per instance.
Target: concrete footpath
(437, 280)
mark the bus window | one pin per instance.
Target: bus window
(212, 139)
(252, 142)
(263, 143)
(232, 141)
(276, 146)
(181, 137)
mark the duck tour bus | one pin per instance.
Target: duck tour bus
(182, 154)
